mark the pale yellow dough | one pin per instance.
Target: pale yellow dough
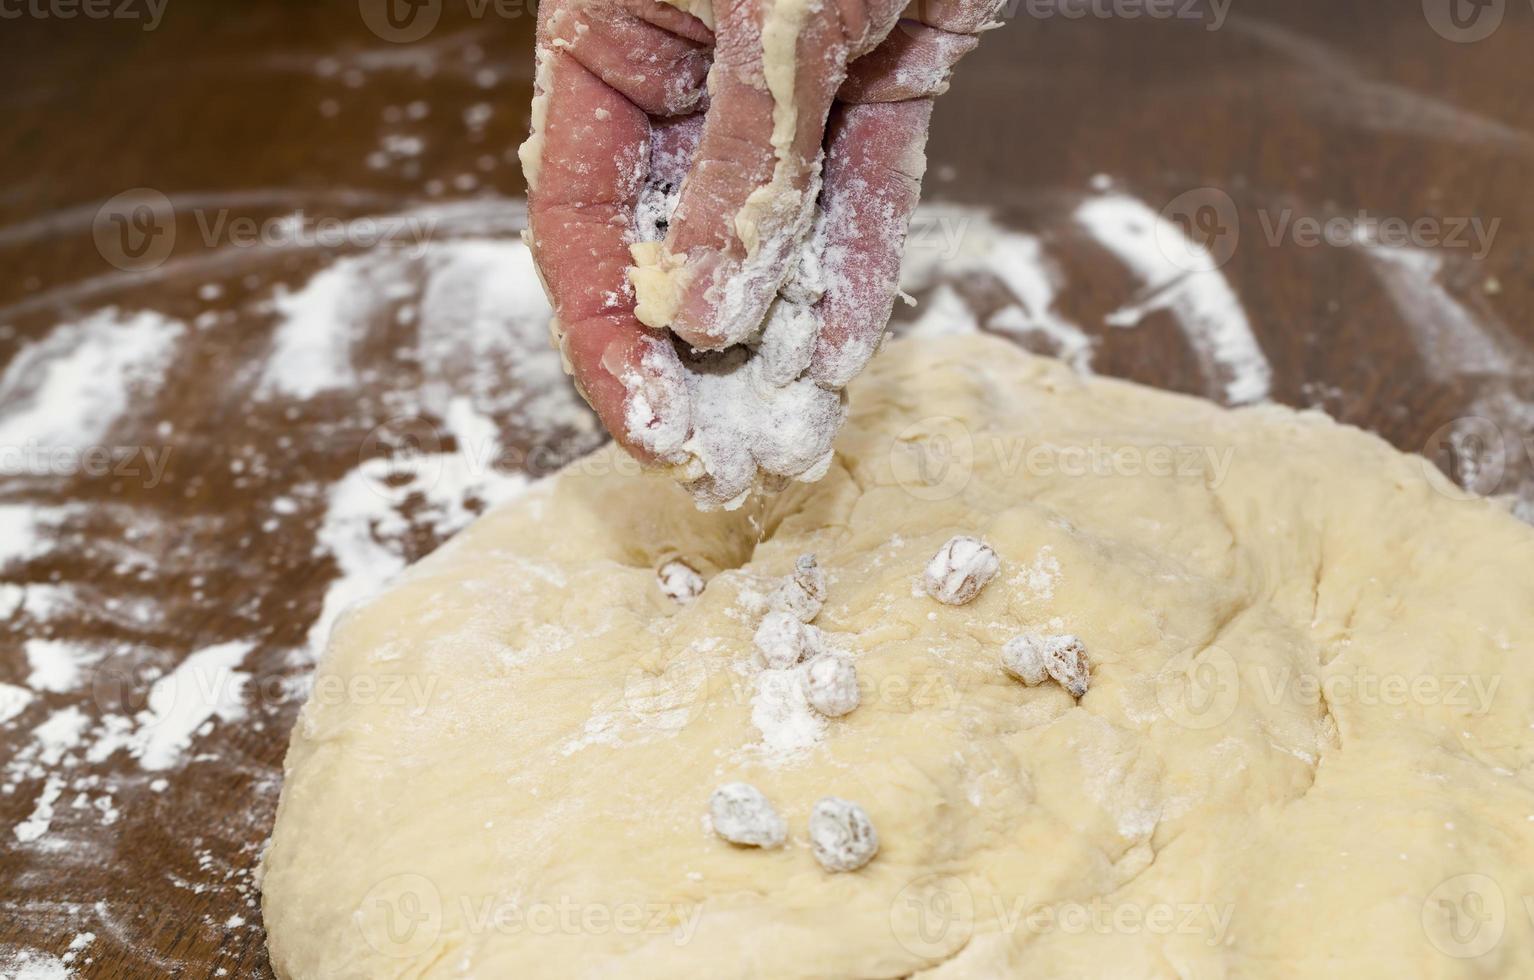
(659, 279)
(507, 764)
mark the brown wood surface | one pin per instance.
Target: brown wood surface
(266, 106)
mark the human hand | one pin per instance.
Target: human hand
(793, 177)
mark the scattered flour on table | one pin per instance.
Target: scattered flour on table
(13, 701)
(64, 392)
(57, 665)
(78, 945)
(25, 530)
(944, 312)
(202, 689)
(1492, 441)
(482, 347)
(32, 965)
(365, 525)
(37, 824)
(1453, 340)
(312, 348)
(950, 242)
(1181, 276)
(204, 686)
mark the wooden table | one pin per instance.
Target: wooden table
(1305, 108)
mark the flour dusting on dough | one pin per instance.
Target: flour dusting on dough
(1037, 580)
(1144, 789)
(783, 714)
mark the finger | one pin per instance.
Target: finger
(674, 19)
(748, 203)
(874, 169)
(956, 16)
(654, 54)
(914, 62)
(918, 57)
(634, 381)
(873, 176)
(586, 164)
(674, 145)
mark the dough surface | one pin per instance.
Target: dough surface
(506, 766)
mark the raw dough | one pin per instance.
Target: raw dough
(506, 767)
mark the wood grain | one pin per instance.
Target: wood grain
(257, 109)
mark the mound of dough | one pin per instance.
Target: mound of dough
(1307, 746)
